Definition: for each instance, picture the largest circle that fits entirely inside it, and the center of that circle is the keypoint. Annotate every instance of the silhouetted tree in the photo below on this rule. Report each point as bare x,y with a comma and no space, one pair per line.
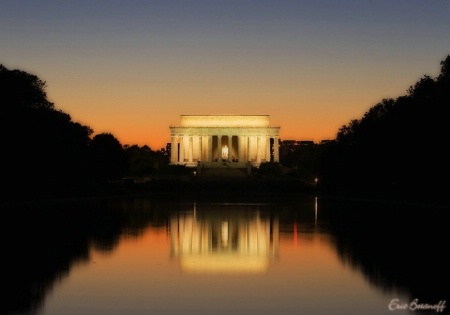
144,161
397,143
44,151
108,159
303,160
22,90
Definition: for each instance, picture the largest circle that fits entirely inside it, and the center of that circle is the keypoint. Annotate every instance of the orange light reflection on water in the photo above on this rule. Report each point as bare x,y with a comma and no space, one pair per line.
141,275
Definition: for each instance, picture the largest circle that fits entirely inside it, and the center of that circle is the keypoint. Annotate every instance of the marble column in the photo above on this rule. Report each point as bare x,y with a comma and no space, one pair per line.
276,148
230,148
258,149
219,148
253,146
191,149
174,149
209,149
199,148
181,140
203,152
249,148
240,148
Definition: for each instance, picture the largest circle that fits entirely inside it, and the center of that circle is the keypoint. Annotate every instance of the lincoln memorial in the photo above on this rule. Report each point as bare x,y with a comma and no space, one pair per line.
218,139
224,239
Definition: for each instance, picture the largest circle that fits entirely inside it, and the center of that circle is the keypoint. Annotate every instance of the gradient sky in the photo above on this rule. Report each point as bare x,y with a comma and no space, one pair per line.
132,67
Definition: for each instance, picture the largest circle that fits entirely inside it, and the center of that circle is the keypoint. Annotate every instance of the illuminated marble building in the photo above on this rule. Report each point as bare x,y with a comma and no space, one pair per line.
234,139
227,241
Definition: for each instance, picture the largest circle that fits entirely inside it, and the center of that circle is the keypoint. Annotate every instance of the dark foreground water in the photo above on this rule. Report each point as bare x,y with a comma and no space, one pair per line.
288,256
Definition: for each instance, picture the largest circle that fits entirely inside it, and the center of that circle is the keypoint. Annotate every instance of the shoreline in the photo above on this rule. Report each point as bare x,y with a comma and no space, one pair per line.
232,190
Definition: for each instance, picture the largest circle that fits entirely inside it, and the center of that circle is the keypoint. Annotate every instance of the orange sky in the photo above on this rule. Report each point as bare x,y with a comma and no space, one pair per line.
133,69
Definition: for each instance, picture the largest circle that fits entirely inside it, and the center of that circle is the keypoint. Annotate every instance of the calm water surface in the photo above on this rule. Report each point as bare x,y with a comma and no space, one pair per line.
305,256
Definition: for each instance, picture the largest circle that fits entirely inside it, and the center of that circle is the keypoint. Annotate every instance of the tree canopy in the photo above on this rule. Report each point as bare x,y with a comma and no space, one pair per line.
108,160
398,142
45,151
22,90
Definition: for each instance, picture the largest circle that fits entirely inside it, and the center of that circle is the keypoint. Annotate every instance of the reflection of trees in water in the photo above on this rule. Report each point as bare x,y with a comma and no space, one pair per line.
396,247
43,242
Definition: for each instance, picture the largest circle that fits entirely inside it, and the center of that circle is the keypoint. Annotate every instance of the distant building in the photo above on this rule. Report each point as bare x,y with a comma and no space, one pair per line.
235,139
289,146
306,142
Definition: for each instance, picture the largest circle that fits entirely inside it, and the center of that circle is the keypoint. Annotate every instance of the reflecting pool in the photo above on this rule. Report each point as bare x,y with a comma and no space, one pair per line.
302,256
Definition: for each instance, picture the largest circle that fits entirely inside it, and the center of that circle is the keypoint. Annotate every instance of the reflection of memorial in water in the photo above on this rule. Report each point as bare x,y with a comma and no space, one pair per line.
224,238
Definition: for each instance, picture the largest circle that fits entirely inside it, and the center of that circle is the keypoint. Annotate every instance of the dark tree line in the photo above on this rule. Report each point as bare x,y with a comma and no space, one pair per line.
399,145
45,154
303,160
143,161
43,149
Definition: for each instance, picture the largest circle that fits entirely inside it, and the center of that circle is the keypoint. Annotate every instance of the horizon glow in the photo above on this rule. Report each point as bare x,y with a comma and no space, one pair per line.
132,69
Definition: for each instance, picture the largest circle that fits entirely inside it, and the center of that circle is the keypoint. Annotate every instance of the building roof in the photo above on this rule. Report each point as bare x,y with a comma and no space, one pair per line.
225,121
